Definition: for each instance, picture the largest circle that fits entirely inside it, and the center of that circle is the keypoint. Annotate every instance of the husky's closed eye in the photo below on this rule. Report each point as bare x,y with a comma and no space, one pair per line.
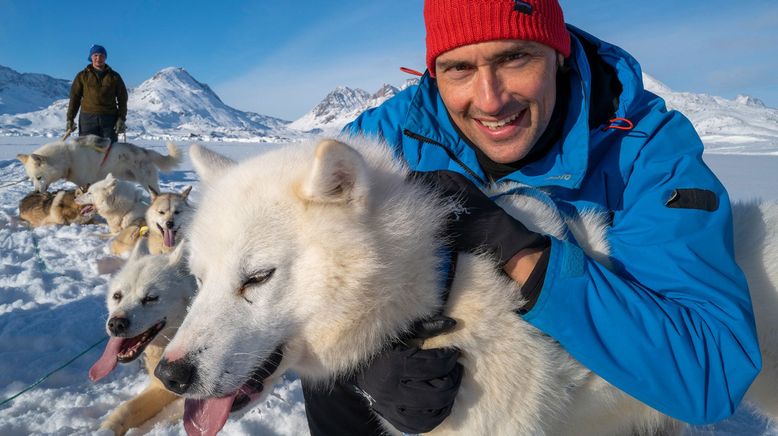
149,299
255,279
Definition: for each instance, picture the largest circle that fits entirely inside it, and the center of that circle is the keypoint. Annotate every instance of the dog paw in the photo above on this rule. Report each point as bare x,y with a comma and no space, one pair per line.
110,427
104,432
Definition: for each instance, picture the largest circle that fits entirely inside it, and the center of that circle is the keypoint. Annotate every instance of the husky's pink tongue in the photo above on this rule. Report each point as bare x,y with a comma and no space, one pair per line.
169,237
206,417
107,362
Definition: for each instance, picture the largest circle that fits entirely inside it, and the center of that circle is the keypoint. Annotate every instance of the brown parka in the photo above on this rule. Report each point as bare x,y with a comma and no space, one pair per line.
106,96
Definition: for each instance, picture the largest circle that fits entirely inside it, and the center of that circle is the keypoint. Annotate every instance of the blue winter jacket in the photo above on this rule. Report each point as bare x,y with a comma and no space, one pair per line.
672,324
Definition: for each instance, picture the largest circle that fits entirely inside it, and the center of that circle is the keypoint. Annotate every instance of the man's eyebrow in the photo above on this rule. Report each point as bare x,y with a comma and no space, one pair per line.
523,48
445,64
518,48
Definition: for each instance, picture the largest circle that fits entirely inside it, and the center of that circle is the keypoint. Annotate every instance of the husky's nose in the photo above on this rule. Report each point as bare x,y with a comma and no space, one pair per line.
169,224
177,376
118,326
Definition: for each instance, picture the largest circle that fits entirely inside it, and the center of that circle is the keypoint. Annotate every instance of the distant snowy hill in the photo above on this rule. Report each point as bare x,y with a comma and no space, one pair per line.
173,104
343,105
27,92
742,126
169,105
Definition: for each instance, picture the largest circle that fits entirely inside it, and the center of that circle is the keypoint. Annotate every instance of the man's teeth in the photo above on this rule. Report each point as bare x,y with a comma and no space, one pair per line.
499,123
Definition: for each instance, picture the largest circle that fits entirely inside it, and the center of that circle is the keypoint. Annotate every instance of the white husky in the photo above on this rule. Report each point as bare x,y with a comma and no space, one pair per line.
121,203
322,253
147,301
82,162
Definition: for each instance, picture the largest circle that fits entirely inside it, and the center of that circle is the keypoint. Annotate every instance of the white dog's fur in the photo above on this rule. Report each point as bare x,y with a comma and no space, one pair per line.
329,252
148,290
80,163
121,203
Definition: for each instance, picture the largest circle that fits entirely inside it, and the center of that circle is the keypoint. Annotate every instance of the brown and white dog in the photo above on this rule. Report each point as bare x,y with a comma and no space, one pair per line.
45,208
162,224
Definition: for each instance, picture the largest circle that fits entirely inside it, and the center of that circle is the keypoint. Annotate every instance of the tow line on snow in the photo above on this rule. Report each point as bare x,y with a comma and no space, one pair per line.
13,183
42,379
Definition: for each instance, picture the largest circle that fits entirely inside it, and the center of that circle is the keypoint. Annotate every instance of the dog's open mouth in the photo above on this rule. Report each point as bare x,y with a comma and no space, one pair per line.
123,350
205,417
168,236
87,209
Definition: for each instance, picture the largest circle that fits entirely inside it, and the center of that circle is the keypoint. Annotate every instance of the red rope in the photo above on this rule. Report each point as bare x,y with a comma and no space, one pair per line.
615,124
411,71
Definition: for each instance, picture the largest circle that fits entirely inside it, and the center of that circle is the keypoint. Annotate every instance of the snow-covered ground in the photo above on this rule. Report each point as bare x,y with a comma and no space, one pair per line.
52,308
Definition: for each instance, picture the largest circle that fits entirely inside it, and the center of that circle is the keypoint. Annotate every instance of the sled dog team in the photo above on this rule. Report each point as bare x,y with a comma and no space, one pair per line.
311,257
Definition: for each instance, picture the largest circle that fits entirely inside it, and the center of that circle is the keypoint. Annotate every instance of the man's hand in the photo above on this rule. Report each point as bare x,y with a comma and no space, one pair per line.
482,225
414,389
70,126
120,127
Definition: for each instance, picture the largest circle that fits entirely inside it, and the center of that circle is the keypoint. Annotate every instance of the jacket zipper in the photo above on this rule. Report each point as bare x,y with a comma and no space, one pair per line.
450,154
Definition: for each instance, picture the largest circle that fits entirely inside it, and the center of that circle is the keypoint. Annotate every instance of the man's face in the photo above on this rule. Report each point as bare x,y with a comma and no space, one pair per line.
500,94
98,60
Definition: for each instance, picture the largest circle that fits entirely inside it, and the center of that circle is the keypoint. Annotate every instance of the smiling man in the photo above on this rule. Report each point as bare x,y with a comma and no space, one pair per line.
512,94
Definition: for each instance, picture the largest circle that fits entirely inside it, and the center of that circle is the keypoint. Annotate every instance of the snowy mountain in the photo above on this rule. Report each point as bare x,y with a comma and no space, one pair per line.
173,104
743,125
26,92
343,105
169,105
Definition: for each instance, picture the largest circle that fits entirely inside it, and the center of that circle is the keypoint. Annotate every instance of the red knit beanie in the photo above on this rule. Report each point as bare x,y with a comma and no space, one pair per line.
454,23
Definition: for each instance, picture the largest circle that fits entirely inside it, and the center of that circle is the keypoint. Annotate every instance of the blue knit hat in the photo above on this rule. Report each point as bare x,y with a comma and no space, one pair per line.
97,49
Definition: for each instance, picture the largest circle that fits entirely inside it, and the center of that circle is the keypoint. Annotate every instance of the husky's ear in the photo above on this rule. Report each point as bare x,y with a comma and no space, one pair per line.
177,255
36,158
185,193
141,249
208,164
154,194
338,175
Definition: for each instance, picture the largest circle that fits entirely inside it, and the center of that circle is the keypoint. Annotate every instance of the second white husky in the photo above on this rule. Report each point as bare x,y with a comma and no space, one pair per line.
147,301
120,202
313,257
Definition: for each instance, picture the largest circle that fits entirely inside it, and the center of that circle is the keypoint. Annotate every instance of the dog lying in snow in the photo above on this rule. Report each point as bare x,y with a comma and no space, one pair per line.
312,258
45,208
82,163
120,202
162,223
147,301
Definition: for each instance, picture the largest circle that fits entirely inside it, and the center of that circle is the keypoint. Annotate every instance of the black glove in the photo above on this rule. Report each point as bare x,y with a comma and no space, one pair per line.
70,126
414,389
120,127
482,225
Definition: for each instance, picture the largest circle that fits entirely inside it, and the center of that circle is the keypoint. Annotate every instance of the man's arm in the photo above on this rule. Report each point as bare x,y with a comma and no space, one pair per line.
76,92
121,98
673,325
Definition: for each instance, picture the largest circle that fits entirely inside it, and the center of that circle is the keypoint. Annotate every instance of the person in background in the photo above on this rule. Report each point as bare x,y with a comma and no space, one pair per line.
99,92
513,94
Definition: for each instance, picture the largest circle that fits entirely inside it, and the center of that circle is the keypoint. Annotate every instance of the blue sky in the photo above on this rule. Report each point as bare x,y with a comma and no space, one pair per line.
281,57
